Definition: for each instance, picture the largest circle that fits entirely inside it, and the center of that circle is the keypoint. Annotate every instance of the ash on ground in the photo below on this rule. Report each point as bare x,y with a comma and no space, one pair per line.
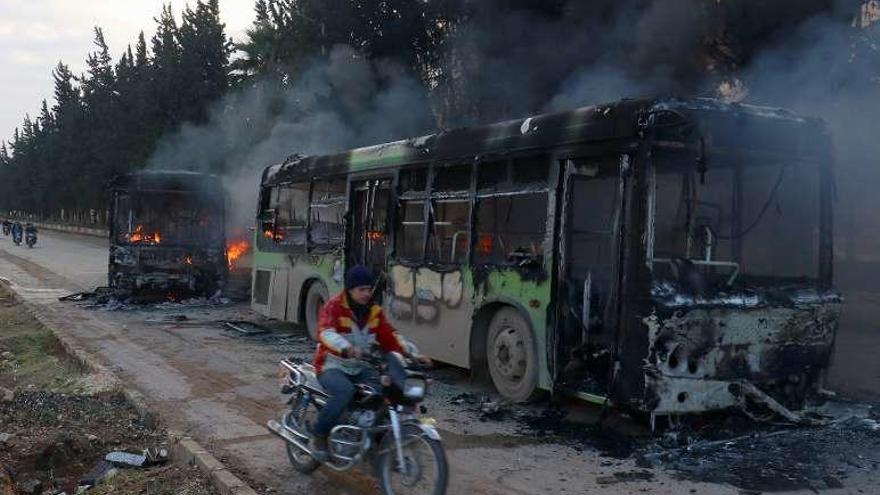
776,458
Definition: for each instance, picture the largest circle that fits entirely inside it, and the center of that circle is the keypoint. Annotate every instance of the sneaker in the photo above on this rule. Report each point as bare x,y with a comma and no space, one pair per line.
318,447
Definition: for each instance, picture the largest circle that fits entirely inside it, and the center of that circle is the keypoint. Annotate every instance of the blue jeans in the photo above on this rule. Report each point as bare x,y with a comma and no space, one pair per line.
340,388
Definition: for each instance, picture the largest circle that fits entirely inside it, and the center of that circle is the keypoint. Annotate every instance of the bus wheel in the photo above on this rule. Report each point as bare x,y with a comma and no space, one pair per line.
511,356
315,300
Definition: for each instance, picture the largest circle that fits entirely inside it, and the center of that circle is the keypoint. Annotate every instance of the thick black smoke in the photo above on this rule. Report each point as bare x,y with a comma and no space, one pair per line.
340,103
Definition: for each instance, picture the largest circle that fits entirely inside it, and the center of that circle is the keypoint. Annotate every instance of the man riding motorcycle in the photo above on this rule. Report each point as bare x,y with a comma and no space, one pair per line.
30,234
17,232
348,325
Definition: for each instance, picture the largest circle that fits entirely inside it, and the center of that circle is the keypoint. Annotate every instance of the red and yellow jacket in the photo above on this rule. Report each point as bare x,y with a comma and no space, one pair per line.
337,330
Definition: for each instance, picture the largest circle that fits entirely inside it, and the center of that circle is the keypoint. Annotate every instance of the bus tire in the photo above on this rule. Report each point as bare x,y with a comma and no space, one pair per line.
511,356
315,300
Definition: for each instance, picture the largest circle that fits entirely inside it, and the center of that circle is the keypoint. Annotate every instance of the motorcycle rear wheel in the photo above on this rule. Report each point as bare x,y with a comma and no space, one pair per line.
300,419
420,454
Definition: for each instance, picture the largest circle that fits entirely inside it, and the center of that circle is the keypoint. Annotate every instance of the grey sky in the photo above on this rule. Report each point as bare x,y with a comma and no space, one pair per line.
36,34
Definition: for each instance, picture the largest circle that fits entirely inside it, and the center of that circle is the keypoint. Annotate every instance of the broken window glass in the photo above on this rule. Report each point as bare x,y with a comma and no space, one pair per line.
413,180
292,214
266,217
455,178
411,229
168,218
514,174
449,235
780,223
327,230
740,219
449,206
510,228
511,211
492,174
530,170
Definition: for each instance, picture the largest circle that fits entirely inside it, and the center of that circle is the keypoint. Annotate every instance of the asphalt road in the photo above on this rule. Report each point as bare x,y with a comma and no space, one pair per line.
221,389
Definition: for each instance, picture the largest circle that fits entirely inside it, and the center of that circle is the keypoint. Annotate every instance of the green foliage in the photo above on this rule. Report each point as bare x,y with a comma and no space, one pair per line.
108,120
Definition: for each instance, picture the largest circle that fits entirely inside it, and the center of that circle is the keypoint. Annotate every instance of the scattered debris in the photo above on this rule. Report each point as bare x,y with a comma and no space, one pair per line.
30,486
82,296
493,410
97,474
609,441
811,458
464,398
125,459
246,327
625,476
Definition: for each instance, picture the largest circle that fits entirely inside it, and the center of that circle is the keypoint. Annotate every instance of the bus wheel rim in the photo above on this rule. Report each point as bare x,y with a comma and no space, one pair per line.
509,353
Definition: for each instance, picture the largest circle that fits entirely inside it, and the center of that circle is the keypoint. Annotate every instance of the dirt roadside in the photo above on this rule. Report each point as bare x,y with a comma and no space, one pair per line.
58,421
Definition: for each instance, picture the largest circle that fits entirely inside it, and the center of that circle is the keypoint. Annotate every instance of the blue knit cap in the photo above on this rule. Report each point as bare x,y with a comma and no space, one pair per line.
359,276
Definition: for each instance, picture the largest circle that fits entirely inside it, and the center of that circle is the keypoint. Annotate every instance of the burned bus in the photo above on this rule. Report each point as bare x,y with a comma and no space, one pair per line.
167,234
669,256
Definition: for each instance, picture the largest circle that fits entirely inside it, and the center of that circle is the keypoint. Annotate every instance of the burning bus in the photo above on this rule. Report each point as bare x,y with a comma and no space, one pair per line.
167,233
669,256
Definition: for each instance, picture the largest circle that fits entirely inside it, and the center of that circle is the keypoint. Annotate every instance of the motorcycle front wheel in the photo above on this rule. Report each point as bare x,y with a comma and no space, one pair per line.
426,470
300,418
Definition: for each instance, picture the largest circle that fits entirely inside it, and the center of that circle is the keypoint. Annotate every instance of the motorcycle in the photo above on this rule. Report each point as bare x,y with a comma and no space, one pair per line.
382,427
16,237
30,238
6,228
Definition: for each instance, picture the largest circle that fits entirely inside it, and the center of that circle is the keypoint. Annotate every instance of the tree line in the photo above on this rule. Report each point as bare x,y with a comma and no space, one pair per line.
475,61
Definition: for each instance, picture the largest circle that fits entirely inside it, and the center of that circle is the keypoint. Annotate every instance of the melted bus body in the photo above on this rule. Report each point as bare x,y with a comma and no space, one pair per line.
167,234
666,255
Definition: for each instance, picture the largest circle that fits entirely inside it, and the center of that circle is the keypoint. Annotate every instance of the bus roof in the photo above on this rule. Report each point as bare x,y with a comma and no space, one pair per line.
608,122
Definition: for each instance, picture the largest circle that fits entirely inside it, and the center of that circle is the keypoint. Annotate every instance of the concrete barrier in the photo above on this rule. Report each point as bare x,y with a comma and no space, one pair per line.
76,229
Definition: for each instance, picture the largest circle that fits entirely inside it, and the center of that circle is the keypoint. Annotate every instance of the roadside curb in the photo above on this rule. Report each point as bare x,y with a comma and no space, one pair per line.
184,448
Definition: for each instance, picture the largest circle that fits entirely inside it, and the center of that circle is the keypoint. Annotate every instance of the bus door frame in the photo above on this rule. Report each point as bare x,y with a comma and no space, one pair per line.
372,180
570,173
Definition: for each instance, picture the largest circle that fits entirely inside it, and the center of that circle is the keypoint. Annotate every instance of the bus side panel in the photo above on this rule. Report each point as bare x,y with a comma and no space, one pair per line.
327,269
265,268
436,309
433,309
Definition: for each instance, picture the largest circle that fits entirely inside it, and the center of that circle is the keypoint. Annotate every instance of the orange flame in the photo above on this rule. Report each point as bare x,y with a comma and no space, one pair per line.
138,236
234,251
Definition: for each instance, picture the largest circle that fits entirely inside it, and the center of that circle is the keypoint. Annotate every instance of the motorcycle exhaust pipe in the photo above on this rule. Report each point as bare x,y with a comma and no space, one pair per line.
285,433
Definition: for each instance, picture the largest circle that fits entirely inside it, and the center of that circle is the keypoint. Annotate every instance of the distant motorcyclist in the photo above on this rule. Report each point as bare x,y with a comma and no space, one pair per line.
30,234
348,325
17,231
7,226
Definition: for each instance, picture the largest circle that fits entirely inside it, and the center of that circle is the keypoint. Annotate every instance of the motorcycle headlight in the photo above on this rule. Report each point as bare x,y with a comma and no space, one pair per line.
415,387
